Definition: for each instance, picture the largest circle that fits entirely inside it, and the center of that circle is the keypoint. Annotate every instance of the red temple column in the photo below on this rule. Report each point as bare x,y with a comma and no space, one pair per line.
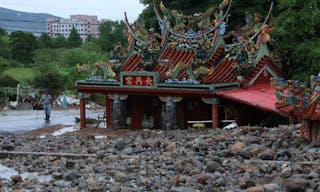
108,111
215,116
214,102
82,112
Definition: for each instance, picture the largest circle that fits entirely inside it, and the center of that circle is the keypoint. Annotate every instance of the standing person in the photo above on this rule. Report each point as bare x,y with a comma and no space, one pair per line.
46,101
64,101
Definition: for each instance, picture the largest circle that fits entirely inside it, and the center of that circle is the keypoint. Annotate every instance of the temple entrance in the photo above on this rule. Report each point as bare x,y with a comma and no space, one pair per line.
149,112
196,110
143,112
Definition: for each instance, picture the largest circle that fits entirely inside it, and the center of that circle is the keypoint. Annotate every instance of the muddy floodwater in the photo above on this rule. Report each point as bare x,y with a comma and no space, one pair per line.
27,120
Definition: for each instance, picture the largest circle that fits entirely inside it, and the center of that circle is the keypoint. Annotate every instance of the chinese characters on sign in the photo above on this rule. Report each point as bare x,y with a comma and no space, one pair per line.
138,80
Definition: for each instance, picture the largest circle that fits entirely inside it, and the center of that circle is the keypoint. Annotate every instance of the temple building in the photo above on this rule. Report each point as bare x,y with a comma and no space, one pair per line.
187,73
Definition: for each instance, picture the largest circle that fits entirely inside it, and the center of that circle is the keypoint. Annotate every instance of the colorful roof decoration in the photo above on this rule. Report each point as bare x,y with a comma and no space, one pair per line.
296,100
191,48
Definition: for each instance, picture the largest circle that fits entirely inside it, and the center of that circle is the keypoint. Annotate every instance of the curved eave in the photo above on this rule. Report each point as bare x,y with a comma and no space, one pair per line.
258,96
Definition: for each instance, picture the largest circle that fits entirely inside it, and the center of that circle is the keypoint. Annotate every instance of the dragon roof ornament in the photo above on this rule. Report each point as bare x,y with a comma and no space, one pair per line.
295,99
264,23
194,35
131,30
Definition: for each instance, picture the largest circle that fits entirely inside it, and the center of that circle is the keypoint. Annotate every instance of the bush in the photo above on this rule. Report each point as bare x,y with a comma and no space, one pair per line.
21,74
8,81
52,81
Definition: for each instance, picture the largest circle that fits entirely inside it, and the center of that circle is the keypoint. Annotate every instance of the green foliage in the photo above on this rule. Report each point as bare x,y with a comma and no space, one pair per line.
22,46
43,56
44,59
8,81
3,32
298,37
5,82
51,80
71,74
190,7
4,44
59,41
71,57
21,74
111,32
148,16
92,38
14,63
98,98
74,39
45,41
65,60
3,64
240,8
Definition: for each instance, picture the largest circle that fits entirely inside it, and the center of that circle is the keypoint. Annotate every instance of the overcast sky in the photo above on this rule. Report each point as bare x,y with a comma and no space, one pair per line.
104,9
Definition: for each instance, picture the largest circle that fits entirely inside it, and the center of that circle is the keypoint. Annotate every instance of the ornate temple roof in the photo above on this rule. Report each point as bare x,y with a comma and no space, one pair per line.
186,50
191,49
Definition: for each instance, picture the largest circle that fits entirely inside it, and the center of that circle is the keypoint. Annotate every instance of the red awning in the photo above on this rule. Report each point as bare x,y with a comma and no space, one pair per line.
260,96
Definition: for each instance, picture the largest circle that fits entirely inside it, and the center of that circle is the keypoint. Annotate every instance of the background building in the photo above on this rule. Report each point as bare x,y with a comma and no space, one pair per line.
84,24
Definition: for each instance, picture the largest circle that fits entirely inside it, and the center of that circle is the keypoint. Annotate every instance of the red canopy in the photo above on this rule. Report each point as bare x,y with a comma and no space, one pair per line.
260,96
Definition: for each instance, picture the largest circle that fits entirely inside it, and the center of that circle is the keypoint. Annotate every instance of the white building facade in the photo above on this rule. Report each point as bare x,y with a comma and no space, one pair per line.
84,24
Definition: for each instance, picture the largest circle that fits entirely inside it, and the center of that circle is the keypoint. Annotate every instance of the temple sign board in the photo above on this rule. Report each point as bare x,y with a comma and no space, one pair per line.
139,79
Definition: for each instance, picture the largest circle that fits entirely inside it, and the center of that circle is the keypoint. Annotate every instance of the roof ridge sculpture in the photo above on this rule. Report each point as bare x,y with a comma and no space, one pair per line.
222,17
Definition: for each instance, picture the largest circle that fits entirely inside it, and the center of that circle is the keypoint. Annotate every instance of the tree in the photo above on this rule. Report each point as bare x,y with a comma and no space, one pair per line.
51,80
298,36
190,7
45,59
59,41
45,41
111,32
92,38
3,64
74,39
8,81
22,46
4,44
3,32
